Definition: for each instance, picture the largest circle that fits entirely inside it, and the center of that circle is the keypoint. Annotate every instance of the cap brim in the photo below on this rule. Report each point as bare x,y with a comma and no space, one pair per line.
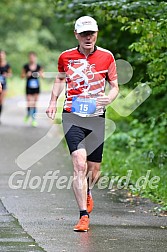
88,28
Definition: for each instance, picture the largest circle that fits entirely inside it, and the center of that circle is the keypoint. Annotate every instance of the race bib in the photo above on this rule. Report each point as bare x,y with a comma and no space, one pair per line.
2,79
33,83
83,105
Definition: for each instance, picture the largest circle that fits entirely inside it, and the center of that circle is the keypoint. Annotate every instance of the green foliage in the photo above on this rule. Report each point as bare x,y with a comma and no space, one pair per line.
152,45
31,25
139,147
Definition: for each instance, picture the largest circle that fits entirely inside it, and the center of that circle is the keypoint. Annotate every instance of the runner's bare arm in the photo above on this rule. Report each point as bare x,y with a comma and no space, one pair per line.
41,73
24,74
9,73
104,100
57,89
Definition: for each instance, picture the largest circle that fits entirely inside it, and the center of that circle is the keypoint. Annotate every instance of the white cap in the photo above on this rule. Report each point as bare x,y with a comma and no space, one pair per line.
86,23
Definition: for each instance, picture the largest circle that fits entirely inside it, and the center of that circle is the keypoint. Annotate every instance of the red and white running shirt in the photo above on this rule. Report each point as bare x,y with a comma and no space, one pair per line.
86,73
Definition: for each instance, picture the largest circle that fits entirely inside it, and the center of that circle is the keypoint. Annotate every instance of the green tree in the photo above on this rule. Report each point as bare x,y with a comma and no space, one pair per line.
31,25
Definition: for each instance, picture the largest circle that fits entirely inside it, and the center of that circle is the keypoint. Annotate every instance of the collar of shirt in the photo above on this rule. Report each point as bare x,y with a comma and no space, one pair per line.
95,48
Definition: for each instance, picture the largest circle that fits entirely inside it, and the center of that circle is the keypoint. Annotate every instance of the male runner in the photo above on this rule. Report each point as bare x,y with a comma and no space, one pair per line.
85,70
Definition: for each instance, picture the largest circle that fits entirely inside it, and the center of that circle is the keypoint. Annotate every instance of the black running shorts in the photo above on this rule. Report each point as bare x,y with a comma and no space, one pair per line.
85,132
4,86
32,91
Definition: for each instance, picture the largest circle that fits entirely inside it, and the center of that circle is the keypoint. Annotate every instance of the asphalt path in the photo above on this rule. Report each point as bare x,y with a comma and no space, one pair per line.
116,224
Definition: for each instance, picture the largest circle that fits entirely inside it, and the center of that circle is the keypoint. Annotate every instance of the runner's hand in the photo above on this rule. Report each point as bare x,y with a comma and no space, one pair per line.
103,100
51,111
4,75
29,74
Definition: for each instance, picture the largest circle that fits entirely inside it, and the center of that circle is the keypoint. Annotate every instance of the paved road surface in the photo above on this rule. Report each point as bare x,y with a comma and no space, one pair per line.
12,236
48,217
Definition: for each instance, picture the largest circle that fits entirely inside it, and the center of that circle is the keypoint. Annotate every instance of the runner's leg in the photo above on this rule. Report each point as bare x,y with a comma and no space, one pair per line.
93,173
28,98
35,104
34,98
74,135
1,103
80,182
94,146
2,97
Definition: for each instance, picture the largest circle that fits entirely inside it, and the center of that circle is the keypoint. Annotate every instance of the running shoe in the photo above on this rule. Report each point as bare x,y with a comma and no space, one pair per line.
34,123
26,119
90,203
83,224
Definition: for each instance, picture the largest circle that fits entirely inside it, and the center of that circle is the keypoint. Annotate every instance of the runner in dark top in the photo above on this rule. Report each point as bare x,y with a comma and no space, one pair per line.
5,71
32,71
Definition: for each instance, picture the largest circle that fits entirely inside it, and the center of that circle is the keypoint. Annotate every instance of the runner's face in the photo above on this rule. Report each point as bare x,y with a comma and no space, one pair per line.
2,55
32,58
87,40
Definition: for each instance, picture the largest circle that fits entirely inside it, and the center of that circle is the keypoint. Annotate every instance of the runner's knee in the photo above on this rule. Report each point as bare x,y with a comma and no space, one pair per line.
79,161
94,170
